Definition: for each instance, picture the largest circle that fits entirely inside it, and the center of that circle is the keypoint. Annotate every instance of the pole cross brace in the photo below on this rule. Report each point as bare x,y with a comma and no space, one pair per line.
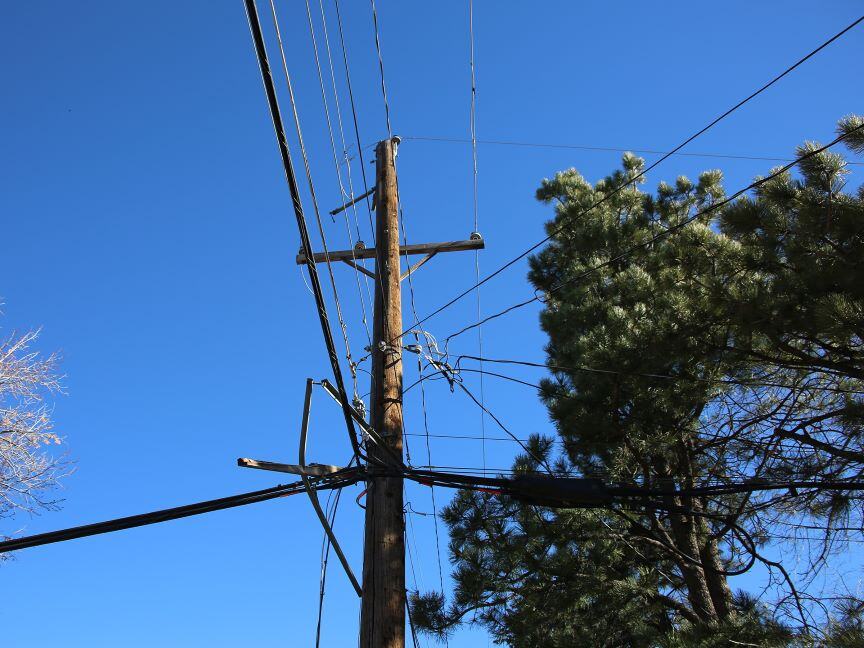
417,265
366,272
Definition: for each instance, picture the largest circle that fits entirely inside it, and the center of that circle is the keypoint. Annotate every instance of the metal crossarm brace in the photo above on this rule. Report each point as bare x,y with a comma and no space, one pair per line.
366,272
417,265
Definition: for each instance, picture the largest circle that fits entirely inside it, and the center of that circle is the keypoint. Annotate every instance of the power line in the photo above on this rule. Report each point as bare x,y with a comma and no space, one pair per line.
553,491
635,178
444,373
473,130
450,373
360,148
602,149
472,437
429,459
336,164
381,68
411,623
649,242
680,377
354,117
175,513
276,116
325,559
503,427
308,169
556,490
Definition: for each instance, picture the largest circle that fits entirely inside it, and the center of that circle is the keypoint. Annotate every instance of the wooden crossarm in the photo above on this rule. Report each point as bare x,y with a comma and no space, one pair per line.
419,248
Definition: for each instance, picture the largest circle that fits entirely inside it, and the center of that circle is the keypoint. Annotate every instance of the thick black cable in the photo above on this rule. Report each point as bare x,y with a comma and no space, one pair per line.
275,114
528,485
517,486
165,515
651,166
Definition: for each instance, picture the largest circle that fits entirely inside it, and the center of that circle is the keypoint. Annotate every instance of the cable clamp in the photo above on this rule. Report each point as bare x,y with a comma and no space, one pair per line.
383,347
360,406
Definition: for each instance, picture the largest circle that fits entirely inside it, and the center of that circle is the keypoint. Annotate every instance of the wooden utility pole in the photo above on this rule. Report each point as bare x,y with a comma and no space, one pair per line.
382,613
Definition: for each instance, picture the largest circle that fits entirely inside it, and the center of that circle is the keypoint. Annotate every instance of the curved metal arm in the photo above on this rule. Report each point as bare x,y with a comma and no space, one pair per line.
313,495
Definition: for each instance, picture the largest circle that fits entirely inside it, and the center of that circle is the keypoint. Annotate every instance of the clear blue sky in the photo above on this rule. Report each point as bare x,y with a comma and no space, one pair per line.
147,227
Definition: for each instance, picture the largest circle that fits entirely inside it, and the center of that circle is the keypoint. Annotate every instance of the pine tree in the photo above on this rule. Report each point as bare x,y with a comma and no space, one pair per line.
728,349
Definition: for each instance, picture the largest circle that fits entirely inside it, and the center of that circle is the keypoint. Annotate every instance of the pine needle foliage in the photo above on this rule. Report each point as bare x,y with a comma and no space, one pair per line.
734,350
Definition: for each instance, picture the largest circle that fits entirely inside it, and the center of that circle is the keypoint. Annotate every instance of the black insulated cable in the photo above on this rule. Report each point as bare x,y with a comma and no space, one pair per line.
275,114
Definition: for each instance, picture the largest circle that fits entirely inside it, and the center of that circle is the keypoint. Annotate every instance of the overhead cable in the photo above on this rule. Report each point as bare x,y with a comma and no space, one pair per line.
276,116
550,491
636,374
657,237
308,169
337,166
651,166
154,517
601,149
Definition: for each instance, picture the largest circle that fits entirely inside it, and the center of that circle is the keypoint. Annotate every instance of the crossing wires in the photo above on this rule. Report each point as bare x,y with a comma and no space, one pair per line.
673,229
311,184
651,166
306,244
345,195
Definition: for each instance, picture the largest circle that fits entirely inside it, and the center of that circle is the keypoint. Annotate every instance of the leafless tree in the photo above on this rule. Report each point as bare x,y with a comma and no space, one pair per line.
30,465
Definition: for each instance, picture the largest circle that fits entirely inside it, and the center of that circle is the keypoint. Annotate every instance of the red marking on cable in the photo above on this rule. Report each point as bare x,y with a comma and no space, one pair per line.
359,496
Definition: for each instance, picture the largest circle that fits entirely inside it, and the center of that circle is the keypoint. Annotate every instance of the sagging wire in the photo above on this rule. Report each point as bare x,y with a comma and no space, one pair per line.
345,196
653,165
436,358
297,204
305,156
